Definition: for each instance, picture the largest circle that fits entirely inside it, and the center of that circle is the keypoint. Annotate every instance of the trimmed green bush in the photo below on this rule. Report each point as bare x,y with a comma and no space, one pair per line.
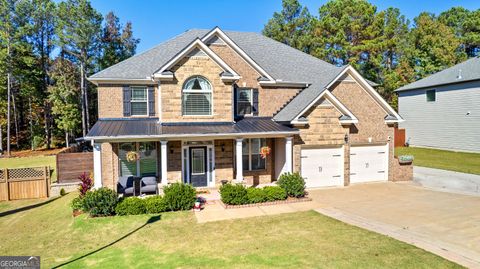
77,203
233,194
63,192
179,196
155,204
131,206
274,193
293,184
256,195
100,202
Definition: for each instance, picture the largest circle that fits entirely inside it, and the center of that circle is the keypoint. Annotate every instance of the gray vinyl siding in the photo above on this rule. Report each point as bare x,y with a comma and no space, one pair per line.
444,123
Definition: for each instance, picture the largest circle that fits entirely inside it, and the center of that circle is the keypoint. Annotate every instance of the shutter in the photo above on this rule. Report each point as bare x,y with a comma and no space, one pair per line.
235,89
151,102
127,95
255,102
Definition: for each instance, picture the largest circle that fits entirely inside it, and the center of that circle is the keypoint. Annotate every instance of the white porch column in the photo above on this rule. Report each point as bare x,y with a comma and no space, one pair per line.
97,165
163,157
288,154
238,158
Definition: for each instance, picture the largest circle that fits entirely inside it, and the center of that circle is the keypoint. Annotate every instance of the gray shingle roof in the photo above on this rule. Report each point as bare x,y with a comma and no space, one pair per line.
280,61
151,127
465,71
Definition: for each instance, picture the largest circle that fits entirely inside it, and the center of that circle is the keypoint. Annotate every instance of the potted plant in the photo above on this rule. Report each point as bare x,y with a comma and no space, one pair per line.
405,159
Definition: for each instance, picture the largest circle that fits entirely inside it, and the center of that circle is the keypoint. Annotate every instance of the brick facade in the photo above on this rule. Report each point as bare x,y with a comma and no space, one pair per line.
402,172
222,96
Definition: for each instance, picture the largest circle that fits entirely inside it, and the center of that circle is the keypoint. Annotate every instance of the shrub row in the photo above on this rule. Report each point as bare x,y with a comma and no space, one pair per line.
105,202
289,184
236,194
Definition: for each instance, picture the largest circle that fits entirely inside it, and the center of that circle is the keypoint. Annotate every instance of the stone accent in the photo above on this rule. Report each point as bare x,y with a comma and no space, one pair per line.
110,101
224,161
323,129
174,163
371,118
222,96
402,172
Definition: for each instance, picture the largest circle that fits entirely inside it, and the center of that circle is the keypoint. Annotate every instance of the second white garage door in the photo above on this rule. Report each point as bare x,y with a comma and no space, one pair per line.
368,163
322,167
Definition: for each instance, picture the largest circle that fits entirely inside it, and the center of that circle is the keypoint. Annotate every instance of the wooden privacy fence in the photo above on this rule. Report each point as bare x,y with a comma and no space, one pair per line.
71,165
399,137
24,183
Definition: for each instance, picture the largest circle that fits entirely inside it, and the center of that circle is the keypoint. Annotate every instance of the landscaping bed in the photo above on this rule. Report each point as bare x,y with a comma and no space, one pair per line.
290,189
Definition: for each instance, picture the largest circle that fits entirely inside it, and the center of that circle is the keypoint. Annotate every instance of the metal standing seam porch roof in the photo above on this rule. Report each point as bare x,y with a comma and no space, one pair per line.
151,128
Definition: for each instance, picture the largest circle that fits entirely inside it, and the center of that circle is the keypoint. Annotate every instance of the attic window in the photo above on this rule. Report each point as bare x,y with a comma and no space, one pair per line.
431,95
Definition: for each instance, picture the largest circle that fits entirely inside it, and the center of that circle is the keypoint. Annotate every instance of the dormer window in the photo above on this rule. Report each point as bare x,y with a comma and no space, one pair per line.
197,97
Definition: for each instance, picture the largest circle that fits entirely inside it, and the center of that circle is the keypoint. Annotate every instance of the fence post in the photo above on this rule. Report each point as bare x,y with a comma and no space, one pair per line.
47,181
7,184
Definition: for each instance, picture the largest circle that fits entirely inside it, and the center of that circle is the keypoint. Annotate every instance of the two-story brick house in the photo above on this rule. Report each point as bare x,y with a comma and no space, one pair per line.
200,107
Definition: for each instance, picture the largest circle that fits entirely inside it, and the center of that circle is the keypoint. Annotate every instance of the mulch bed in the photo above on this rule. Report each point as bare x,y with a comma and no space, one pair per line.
289,200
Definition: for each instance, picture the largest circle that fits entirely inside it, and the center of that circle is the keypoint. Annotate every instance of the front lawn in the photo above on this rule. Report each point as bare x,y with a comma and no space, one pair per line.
171,240
33,161
443,159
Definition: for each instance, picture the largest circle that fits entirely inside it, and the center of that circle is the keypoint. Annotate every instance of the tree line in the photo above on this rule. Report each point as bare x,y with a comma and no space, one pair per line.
383,46
47,50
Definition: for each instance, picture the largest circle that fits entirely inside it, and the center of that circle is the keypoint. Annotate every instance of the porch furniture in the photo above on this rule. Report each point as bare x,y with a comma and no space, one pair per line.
125,185
149,185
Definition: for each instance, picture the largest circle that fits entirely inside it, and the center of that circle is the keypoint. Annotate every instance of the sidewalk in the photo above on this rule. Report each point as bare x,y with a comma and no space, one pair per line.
214,211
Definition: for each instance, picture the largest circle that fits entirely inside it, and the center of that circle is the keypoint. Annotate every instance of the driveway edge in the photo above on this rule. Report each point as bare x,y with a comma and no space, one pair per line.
400,234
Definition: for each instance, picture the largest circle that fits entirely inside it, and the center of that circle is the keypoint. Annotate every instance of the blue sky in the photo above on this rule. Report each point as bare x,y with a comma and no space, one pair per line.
157,21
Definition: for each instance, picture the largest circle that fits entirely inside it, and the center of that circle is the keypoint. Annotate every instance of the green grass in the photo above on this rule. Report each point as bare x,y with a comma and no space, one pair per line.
443,159
296,240
20,162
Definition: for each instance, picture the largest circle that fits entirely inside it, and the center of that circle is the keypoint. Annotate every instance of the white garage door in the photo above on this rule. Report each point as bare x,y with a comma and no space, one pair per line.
368,163
322,167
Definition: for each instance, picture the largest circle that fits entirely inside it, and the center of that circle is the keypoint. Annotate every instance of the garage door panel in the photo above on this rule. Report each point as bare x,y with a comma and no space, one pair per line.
368,163
322,167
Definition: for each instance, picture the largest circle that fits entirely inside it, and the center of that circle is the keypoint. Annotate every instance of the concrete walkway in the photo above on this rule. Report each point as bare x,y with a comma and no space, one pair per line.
446,224
447,180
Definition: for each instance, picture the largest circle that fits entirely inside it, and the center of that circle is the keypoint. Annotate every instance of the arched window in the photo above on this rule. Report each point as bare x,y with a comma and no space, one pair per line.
197,97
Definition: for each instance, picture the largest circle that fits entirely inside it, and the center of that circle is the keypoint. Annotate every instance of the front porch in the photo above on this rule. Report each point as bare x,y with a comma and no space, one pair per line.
196,156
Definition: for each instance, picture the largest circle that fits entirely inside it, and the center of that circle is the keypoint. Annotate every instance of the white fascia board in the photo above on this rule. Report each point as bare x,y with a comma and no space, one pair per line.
237,49
337,104
348,121
373,92
139,81
227,78
196,44
162,77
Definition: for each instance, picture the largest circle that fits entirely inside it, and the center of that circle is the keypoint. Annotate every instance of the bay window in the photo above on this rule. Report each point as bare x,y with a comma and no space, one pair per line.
147,163
197,97
251,157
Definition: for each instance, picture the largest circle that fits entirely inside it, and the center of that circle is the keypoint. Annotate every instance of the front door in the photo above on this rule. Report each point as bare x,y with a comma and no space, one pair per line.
198,166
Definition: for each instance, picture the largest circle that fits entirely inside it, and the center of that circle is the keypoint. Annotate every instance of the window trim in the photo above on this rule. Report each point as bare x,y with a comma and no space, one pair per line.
238,98
137,163
133,88
248,140
202,91
434,95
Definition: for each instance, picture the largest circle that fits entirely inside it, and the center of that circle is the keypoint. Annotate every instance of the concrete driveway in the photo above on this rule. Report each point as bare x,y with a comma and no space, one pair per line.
446,224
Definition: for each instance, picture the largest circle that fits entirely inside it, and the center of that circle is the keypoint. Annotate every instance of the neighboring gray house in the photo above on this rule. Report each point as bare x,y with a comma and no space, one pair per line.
443,110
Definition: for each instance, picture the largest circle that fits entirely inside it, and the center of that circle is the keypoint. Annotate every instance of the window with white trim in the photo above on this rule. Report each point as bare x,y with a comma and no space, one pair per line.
251,157
197,97
139,101
244,102
147,163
